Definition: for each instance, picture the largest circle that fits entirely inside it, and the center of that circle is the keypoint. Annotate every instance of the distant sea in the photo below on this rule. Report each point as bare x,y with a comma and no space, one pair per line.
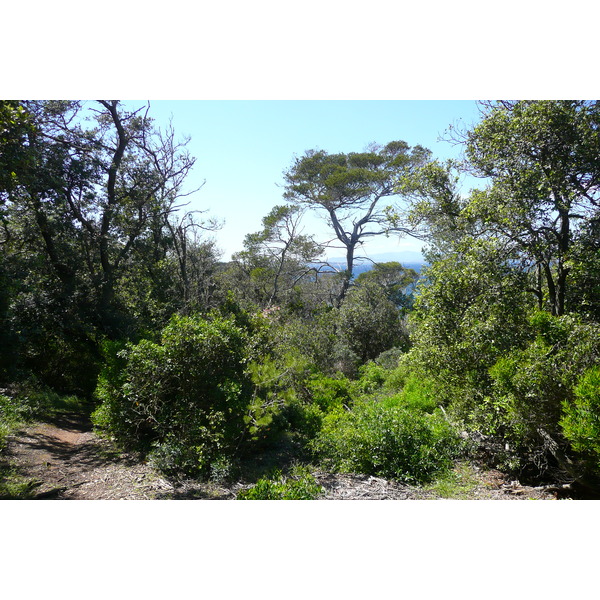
410,260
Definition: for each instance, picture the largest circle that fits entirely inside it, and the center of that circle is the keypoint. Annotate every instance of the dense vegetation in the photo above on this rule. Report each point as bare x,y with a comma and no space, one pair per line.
113,300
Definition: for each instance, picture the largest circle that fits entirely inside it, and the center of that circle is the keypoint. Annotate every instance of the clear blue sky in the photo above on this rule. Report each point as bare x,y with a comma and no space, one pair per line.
243,147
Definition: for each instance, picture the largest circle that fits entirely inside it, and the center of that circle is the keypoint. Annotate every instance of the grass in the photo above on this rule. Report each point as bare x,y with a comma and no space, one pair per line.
13,486
457,484
11,417
29,401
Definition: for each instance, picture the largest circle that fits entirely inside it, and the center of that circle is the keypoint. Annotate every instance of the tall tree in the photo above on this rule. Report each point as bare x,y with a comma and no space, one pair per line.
530,237
97,179
349,189
88,191
276,259
14,127
542,158
196,260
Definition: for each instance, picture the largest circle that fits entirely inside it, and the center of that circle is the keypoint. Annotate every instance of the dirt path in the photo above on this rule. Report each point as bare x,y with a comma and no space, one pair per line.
66,460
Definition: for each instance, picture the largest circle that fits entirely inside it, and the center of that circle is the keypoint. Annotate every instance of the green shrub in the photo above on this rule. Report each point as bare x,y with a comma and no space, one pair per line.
299,485
280,399
329,393
312,337
303,418
371,377
418,393
173,456
389,359
316,396
31,400
389,441
369,322
530,386
581,417
184,398
10,417
523,400
395,378
527,393
289,396
110,414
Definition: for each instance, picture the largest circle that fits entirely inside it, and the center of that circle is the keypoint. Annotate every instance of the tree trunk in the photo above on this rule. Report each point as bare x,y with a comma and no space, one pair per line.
563,271
347,274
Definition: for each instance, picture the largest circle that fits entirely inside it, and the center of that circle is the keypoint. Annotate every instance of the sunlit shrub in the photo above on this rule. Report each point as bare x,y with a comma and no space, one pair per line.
185,397
389,441
417,393
581,417
371,377
329,393
532,396
298,485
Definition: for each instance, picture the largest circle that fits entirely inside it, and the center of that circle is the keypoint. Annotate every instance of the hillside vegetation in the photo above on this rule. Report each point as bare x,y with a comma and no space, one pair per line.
275,367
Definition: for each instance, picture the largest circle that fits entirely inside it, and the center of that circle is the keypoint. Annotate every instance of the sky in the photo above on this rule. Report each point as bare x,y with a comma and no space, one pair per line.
242,149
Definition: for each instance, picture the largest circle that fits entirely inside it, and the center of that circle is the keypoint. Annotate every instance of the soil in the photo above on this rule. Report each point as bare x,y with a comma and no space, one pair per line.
66,460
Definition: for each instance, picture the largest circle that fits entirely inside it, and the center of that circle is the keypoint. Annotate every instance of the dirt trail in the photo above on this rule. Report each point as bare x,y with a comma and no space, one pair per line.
66,460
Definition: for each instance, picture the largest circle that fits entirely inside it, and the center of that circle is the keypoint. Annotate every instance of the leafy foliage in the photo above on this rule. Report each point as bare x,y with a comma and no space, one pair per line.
537,380
186,396
370,323
471,309
200,365
349,189
388,440
581,416
89,249
275,261
396,281
299,485
540,156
